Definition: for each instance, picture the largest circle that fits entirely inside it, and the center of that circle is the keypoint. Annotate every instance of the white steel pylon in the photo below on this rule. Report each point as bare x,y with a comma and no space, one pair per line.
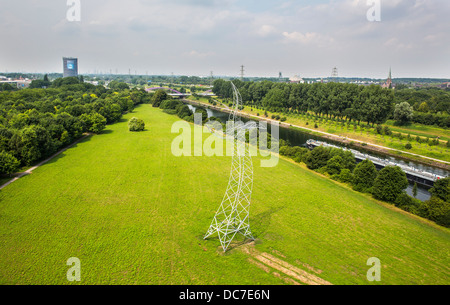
232,217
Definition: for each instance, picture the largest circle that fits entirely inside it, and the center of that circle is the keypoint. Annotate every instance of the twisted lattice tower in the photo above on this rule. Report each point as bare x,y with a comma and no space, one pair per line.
232,217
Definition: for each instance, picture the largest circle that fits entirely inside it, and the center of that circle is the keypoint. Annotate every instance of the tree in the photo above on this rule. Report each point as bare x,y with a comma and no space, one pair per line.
8,163
403,113
441,189
115,85
364,176
424,107
390,183
136,124
415,190
96,122
158,97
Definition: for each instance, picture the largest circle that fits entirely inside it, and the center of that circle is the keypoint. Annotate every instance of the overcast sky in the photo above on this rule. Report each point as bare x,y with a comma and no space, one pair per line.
194,37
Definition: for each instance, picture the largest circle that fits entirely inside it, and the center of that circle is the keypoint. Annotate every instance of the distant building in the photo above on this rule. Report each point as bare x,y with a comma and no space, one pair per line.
19,83
297,80
70,67
388,83
445,85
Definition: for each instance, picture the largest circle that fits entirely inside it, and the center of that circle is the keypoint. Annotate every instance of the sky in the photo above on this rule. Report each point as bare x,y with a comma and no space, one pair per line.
194,37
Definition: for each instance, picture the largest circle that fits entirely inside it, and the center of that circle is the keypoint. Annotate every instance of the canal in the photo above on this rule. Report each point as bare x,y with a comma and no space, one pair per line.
297,137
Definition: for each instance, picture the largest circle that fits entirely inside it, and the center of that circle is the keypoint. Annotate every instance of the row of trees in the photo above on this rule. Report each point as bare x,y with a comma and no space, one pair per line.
388,184
343,101
348,102
35,123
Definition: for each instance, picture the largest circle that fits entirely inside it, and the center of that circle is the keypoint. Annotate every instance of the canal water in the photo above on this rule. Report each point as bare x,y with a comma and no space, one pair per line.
297,137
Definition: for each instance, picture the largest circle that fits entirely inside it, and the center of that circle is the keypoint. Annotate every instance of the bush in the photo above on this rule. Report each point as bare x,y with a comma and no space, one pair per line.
345,176
136,124
169,104
334,165
436,210
408,146
379,129
390,183
408,203
317,158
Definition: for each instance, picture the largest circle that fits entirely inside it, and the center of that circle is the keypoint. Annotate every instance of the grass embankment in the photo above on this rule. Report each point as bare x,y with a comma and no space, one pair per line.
135,214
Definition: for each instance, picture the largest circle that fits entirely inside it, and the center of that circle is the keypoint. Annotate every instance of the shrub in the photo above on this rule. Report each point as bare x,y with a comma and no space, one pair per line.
436,210
408,146
169,104
136,124
334,165
408,203
379,129
345,176
317,158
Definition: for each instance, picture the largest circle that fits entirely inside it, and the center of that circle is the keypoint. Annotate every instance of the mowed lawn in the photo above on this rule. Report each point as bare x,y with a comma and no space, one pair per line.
135,214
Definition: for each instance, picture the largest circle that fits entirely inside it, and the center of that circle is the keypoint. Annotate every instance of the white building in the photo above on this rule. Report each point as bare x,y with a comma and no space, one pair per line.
297,80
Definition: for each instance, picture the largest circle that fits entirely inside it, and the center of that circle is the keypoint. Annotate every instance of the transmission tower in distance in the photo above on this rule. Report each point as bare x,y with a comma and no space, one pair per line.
232,217
242,73
334,73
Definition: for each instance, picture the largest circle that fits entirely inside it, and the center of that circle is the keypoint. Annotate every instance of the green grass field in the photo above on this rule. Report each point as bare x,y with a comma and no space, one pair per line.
135,214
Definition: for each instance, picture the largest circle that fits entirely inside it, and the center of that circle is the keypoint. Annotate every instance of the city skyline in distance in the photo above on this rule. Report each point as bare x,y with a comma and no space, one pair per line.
195,37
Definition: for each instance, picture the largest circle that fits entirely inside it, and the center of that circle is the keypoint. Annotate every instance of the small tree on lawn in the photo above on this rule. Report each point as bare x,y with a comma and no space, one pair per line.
136,124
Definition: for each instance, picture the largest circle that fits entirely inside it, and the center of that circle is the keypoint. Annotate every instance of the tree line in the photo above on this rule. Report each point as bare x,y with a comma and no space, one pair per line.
36,123
343,101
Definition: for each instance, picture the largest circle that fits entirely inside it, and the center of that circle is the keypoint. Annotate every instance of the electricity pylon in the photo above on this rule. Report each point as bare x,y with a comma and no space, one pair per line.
232,217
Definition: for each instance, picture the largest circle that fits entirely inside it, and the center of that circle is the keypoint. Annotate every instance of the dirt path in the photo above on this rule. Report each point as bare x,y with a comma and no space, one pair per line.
281,269
30,170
